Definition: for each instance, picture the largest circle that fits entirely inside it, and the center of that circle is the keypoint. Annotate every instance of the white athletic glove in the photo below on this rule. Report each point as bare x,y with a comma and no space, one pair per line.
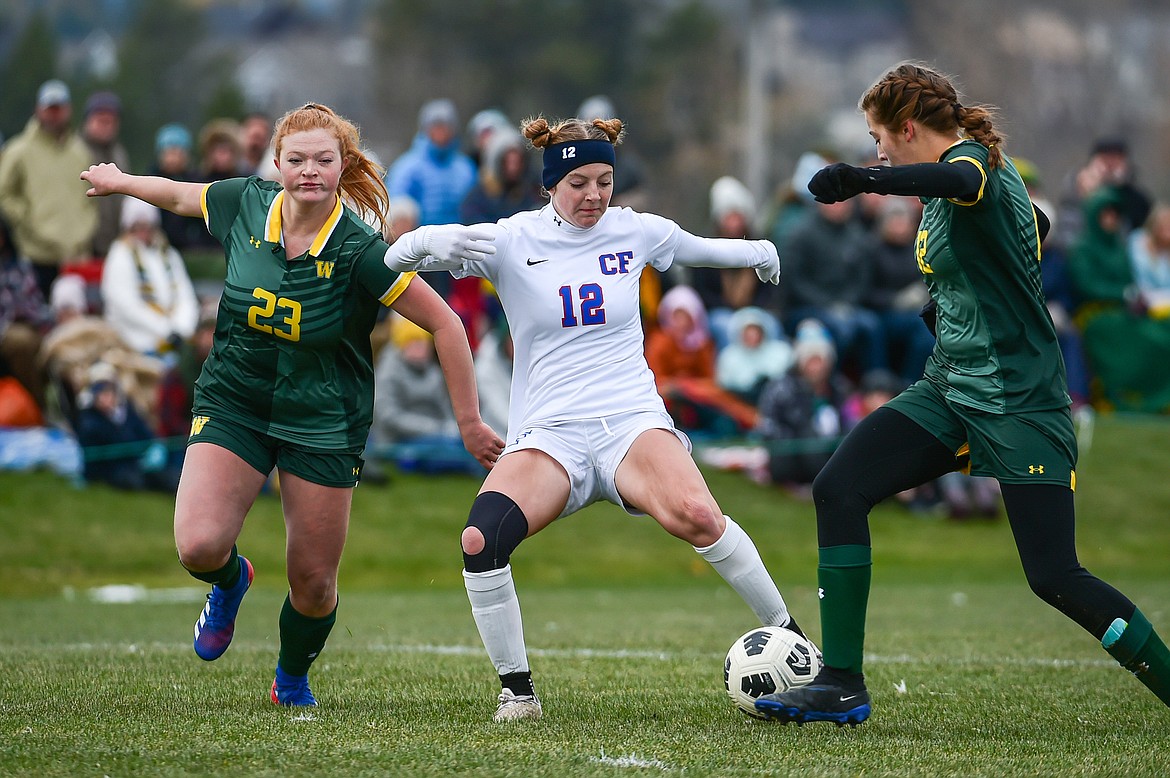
450,245
767,264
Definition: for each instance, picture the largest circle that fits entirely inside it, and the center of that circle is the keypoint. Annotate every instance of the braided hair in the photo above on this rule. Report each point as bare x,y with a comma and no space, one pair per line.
915,91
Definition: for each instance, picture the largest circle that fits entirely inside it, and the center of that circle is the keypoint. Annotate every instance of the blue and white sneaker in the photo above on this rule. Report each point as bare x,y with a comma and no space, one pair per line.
292,690
217,622
825,698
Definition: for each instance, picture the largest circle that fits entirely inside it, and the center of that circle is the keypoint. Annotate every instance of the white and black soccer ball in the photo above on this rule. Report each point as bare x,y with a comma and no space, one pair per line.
767,660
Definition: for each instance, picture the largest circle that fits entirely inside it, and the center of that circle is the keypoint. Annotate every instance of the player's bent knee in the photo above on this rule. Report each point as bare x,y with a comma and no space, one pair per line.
472,541
696,521
1048,586
500,525
313,595
202,556
827,488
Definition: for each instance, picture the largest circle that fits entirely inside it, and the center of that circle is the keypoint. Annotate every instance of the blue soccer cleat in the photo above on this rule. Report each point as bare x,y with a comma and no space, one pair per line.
823,699
217,622
292,690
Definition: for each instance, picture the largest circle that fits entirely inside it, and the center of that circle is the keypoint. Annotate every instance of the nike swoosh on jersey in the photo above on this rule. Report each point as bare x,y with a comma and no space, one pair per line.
532,261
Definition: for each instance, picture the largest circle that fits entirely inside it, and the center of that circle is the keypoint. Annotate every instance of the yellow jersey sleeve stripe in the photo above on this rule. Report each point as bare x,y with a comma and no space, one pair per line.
1036,229
982,183
203,206
398,287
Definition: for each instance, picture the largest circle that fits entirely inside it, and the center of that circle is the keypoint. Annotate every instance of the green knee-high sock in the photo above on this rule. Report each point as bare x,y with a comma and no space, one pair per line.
1137,647
302,638
843,575
225,577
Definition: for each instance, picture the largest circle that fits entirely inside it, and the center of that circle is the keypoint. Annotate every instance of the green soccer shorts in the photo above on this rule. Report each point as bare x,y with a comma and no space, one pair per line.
338,468
1018,448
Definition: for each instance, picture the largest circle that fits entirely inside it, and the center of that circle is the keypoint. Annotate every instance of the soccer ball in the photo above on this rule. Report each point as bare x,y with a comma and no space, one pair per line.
767,660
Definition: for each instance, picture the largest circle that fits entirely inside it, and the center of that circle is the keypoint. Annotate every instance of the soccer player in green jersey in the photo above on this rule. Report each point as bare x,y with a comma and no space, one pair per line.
993,396
289,380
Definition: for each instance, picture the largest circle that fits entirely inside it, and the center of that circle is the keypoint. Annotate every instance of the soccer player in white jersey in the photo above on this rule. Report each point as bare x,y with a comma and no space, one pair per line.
585,421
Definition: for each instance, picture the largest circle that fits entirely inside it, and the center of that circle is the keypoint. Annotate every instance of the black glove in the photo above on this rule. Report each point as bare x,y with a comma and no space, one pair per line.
838,182
929,315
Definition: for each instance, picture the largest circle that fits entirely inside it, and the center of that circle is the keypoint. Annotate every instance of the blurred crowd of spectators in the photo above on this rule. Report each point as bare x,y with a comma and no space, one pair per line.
102,330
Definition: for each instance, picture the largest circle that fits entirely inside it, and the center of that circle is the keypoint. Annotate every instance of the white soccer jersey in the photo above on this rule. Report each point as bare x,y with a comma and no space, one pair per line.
572,297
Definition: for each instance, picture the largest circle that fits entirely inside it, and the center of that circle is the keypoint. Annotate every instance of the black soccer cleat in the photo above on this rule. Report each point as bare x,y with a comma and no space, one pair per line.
826,698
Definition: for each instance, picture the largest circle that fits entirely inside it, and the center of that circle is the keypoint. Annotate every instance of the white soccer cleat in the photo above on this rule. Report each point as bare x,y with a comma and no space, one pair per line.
514,707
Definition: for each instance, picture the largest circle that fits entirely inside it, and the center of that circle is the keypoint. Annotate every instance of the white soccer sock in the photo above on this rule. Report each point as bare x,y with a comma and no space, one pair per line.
734,556
496,611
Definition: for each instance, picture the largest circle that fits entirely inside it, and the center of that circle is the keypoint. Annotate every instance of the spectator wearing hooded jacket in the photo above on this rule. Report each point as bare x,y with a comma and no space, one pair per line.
800,413
118,446
410,397
480,129
506,182
681,355
434,171
1128,351
757,352
414,423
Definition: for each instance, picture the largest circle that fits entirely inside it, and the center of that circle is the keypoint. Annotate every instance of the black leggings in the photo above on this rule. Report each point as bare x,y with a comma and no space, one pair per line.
888,453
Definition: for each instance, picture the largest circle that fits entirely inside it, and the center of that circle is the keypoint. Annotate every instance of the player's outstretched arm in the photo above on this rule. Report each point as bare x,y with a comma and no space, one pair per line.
423,306
959,179
440,247
760,255
179,197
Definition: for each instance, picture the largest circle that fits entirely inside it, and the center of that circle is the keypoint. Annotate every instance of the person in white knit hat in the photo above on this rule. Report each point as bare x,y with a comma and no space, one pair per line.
147,294
727,290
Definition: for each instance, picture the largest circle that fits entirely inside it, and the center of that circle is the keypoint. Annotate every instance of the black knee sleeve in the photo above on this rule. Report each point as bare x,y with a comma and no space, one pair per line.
503,526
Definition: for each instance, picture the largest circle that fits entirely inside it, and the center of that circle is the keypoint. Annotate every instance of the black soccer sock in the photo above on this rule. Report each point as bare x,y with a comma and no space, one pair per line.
519,683
225,577
837,676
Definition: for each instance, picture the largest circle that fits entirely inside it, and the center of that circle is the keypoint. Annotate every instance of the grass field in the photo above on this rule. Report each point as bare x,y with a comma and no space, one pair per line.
971,675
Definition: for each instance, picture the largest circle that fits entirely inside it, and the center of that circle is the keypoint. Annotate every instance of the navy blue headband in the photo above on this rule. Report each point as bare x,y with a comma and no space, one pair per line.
562,158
